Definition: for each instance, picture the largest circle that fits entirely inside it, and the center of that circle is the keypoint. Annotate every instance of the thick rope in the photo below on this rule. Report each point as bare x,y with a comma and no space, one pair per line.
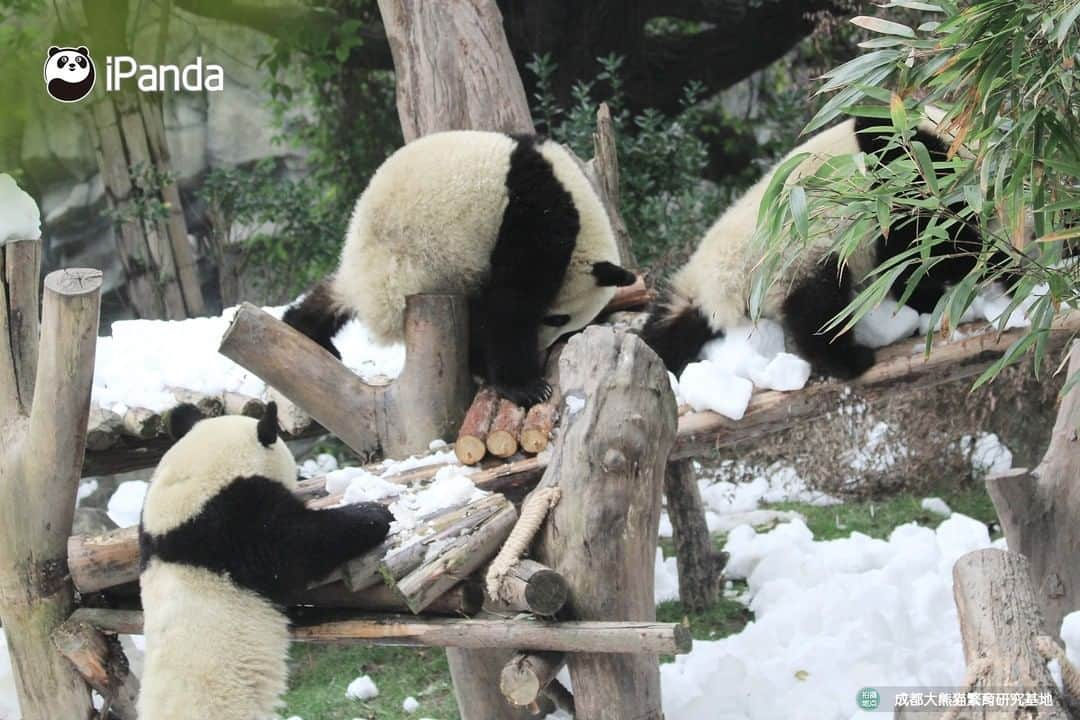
1070,675
533,511
977,670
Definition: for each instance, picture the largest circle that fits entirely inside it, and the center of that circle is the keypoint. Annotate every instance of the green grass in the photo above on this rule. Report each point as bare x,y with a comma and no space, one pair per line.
320,675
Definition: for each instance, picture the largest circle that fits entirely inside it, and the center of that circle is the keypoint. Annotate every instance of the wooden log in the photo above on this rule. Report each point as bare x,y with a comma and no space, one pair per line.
239,404
532,587
41,451
102,663
699,576
526,675
22,263
103,429
454,68
631,297
604,171
97,562
999,623
471,444
1039,511
502,439
142,423
209,405
609,465
594,637
537,428
465,598
458,559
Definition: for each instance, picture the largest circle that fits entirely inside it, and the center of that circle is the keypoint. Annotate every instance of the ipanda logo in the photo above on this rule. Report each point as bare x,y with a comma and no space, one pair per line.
70,74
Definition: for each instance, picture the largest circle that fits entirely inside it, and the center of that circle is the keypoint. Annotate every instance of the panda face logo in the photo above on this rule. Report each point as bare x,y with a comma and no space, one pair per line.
69,73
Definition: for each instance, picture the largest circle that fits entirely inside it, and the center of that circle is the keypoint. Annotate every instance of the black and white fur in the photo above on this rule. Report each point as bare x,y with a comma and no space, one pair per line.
711,292
509,221
69,73
225,545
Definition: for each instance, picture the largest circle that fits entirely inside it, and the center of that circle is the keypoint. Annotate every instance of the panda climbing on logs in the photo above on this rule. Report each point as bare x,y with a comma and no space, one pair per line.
224,546
711,292
511,222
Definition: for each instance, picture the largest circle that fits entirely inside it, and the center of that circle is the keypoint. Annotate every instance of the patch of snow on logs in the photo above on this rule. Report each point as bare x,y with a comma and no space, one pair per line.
20,218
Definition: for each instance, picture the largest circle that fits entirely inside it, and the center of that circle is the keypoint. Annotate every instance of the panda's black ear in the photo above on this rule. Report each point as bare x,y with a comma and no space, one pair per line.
267,427
609,274
53,50
82,50
181,419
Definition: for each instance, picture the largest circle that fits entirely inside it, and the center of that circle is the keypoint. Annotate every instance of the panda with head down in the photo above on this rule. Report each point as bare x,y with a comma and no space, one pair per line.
225,545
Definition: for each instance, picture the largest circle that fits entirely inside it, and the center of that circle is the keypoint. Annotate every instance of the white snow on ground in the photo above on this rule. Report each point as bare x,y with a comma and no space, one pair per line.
878,453
319,465
125,505
708,386
410,705
20,218
362,688
989,456
142,359
830,617
936,506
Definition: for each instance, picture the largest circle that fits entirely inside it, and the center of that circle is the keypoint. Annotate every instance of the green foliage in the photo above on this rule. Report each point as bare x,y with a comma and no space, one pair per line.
291,227
664,200
1003,72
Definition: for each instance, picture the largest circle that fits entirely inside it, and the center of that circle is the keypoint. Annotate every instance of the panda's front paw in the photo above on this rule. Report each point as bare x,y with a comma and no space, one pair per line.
372,522
531,393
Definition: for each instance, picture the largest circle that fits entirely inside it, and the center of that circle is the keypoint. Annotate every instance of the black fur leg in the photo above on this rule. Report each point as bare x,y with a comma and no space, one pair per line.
318,317
611,275
677,337
528,265
322,540
811,305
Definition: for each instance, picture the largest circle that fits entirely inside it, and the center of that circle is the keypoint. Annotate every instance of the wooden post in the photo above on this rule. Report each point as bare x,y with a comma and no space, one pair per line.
603,170
453,67
1040,511
699,577
609,463
426,402
43,413
102,663
999,622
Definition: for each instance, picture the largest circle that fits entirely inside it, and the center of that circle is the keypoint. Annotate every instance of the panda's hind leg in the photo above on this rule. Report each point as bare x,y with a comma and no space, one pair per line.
528,267
812,303
319,316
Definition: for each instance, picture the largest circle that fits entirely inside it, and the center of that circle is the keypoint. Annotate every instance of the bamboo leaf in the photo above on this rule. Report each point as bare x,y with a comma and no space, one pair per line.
884,27
799,212
926,166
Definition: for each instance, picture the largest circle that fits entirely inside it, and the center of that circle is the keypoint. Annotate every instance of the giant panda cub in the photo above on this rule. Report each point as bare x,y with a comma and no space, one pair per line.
225,543
509,221
711,292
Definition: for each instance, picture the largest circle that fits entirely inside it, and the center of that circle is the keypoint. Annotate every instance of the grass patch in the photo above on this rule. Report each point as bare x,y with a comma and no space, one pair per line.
878,518
320,674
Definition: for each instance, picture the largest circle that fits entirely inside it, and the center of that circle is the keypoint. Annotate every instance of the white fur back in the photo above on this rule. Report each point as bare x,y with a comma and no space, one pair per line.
717,278
430,217
212,649
213,454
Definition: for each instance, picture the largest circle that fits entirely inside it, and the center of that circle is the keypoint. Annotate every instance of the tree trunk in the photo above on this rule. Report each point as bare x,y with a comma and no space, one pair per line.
41,452
999,621
697,562
453,68
601,536
1040,511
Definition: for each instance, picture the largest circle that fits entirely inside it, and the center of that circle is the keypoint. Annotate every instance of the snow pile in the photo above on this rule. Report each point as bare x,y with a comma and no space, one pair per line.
878,453
707,386
20,218
319,465
831,617
362,688
989,456
126,503
143,359
936,506
886,323
410,705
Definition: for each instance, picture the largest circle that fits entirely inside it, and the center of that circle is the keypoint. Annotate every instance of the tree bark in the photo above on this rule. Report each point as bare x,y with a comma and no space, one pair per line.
601,536
102,663
453,68
41,452
999,621
699,577
1040,511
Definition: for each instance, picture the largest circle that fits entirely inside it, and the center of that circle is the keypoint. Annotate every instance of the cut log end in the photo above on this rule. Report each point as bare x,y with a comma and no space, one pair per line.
471,445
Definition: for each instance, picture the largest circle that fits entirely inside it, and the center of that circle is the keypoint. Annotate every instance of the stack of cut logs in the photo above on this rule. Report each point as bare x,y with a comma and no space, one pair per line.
496,426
